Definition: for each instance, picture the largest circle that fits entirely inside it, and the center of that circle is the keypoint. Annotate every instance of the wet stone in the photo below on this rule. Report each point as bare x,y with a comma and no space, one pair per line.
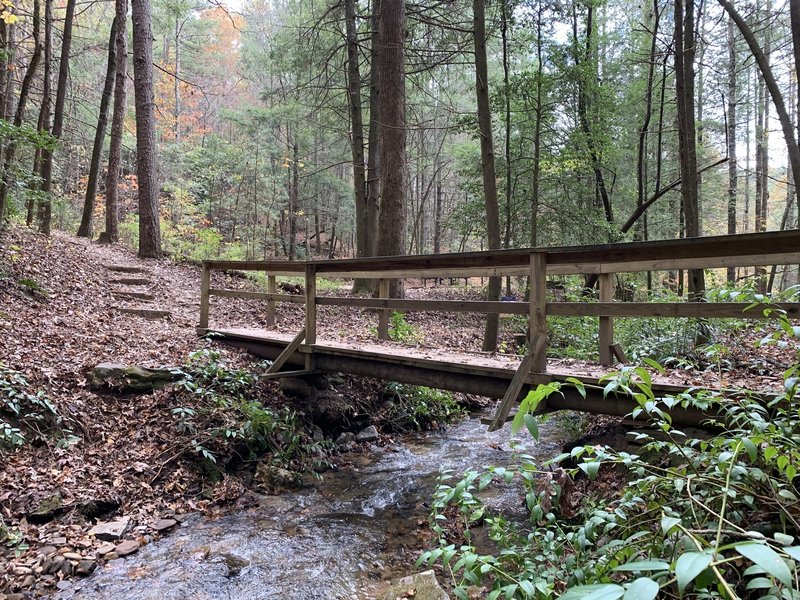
72,556
106,548
345,438
127,547
370,434
54,565
111,530
58,541
86,567
47,550
164,524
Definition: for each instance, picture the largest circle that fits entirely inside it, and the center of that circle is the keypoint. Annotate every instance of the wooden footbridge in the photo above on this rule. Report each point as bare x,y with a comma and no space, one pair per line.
489,375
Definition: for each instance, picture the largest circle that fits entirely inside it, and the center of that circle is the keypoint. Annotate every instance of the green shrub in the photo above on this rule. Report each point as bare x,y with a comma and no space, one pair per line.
219,409
24,414
715,517
417,408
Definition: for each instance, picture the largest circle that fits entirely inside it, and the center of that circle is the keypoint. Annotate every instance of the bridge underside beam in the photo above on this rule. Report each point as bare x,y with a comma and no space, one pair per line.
492,383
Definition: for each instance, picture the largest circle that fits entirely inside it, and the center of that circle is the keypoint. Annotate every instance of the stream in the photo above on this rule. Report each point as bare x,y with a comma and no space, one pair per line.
342,537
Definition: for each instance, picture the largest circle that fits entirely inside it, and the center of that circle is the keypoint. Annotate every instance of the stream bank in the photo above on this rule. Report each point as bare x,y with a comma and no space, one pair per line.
345,536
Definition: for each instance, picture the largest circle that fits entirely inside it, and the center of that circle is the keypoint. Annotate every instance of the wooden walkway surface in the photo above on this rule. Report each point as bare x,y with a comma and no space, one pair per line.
472,373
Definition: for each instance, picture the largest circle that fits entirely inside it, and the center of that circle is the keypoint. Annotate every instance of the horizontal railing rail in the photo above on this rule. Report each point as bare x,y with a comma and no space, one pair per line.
761,249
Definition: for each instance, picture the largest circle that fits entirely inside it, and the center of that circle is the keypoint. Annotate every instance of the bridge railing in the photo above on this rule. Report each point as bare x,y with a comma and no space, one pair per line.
604,261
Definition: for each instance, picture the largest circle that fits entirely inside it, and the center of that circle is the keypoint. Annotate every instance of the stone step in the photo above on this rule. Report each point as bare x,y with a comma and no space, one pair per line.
130,281
146,313
133,295
125,269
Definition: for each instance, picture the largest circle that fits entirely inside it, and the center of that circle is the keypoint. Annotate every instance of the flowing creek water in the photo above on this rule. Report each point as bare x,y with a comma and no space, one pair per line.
343,537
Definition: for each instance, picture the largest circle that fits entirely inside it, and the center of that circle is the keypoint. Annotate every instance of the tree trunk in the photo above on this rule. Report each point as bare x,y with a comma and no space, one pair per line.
373,139
111,234
392,151
772,85
487,164
731,139
146,165
684,92
357,140
24,92
584,107
537,131
58,119
86,228
794,15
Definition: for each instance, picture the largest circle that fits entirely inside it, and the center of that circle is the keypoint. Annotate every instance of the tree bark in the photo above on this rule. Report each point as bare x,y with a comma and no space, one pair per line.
146,164
373,139
684,92
86,228
58,119
357,140
584,102
392,150
111,234
487,164
731,140
19,114
537,131
769,79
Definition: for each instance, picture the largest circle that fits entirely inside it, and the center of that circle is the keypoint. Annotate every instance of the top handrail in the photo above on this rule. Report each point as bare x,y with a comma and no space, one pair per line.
750,249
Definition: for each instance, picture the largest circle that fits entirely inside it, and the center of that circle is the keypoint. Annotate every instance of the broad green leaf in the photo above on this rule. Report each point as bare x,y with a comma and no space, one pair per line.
653,364
597,591
782,538
689,566
644,565
609,591
760,583
766,558
794,552
752,452
516,424
667,523
642,589
590,468
579,385
532,425
527,587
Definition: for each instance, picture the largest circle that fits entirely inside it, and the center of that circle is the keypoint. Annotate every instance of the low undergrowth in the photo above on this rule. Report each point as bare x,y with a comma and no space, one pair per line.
25,414
715,517
418,408
221,412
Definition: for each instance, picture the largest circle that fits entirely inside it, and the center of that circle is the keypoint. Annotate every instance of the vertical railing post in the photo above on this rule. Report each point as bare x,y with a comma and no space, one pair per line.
606,323
538,312
205,285
271,289
383,316
311,313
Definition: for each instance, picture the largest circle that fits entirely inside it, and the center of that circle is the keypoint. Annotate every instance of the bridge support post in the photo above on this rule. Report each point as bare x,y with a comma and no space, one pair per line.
311,313
205,285
383,315
537,331
271,288
606,335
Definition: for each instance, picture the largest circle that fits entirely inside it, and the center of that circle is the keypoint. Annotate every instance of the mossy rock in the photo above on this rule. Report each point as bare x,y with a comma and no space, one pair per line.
420,586
130,379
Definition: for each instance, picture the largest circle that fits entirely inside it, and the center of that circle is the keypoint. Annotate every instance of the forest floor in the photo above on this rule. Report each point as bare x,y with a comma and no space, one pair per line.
60,315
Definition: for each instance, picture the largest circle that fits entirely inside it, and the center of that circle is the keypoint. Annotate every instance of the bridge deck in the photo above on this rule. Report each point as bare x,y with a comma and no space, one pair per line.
480,374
